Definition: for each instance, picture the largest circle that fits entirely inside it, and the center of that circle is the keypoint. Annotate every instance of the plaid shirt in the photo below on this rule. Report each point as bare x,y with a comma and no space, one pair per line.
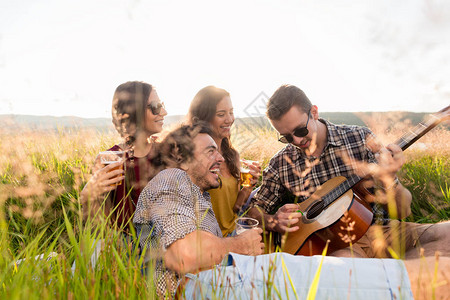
170,207
290,170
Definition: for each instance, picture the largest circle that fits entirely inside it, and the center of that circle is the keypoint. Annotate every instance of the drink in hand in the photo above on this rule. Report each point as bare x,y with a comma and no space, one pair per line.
246,177
111,157
245,223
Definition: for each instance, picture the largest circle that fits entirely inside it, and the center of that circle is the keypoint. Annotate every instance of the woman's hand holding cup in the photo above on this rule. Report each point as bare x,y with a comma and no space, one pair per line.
250,172
110,171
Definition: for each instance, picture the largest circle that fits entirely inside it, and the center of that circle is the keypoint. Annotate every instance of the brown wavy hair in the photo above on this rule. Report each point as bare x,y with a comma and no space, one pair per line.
178,146
203,108
129,108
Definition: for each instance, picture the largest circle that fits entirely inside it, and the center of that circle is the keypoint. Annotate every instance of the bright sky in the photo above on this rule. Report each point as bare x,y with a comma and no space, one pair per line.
60,57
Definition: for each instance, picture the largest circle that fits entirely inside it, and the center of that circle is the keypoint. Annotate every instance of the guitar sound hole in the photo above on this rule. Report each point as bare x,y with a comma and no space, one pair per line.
315,210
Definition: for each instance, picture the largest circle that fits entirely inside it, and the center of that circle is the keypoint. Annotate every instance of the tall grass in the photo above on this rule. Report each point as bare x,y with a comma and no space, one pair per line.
42,174
68,273
427,177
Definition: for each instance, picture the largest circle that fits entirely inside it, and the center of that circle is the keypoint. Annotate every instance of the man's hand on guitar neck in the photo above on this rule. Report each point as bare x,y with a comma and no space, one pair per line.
390,161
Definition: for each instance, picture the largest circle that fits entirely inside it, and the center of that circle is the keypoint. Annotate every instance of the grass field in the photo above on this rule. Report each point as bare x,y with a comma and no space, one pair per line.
42,174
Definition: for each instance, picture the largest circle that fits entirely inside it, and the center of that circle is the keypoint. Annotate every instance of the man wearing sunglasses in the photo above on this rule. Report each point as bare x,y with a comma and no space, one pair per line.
318,151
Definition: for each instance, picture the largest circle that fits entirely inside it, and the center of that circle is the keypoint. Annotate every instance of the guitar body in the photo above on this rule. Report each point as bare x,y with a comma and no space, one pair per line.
331,223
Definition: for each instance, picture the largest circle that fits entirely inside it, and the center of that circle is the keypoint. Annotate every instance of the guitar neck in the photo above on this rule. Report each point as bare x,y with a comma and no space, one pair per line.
417,132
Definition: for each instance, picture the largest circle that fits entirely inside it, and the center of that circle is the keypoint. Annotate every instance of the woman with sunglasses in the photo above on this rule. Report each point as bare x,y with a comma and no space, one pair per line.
137,114
213,105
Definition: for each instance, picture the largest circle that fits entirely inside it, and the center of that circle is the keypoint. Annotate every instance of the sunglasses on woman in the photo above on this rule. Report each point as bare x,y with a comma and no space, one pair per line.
298,132
156,107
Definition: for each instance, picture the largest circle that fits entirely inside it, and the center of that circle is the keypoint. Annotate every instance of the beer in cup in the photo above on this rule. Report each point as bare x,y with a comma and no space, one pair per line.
110,157
245,223
246,177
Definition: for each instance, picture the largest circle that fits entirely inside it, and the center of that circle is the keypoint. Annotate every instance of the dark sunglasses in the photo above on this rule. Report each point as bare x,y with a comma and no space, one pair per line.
156,107
298,132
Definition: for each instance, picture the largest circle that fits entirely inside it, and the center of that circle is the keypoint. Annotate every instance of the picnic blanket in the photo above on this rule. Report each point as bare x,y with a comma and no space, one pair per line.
285,276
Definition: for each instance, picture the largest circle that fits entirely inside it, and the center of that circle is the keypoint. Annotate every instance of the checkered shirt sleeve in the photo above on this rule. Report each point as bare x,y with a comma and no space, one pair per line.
271,190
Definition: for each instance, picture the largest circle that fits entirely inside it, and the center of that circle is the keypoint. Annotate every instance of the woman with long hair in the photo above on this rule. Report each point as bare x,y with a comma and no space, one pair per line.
137,114
213,105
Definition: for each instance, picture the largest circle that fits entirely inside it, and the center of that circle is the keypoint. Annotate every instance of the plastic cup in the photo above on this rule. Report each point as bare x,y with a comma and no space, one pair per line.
111,157
245,223
246,177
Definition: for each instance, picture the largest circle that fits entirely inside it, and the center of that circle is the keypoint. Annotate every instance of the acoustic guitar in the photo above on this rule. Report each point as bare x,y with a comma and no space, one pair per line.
338,211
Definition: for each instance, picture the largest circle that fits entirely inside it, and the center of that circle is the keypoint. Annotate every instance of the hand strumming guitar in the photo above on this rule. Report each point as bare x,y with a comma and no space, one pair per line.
284,218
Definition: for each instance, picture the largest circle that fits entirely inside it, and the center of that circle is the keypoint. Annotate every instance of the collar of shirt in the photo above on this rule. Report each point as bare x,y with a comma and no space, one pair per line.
333,135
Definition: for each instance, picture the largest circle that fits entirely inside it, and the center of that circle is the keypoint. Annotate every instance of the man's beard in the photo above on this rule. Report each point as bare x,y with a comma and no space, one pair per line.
204,184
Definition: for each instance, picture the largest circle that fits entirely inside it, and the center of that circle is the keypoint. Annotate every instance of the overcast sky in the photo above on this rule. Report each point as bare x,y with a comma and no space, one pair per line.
61,57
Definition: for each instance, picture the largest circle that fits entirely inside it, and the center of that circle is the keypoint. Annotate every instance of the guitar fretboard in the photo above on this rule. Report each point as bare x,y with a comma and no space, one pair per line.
417,132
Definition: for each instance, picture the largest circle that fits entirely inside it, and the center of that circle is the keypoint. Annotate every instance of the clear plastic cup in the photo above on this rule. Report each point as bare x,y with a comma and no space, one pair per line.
110,157
246,177
245,223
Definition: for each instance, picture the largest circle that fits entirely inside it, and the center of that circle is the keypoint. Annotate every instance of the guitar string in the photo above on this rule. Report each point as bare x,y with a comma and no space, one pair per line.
418,131
335,193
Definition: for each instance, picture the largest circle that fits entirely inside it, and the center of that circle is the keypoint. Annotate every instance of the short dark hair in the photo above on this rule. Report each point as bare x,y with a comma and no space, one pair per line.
284,98
178,146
